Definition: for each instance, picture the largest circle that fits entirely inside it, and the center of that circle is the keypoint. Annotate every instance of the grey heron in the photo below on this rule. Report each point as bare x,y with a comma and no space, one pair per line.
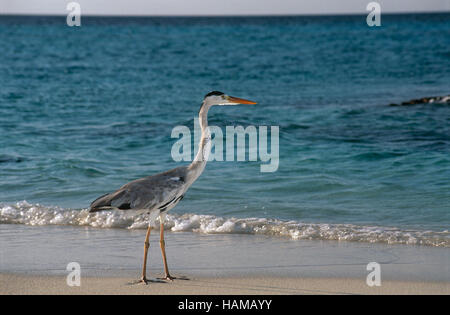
157,194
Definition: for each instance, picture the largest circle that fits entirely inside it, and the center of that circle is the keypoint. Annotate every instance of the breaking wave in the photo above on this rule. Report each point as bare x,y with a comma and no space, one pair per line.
35,214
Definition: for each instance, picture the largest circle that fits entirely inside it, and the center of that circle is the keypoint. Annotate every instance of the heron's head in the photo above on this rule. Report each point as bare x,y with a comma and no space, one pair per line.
219,98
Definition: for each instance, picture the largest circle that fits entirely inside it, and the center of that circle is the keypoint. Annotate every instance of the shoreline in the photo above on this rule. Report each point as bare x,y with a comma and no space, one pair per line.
39,215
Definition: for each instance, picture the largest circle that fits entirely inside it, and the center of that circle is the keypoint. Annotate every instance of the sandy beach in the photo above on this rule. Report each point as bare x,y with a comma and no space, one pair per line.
24,284
34,261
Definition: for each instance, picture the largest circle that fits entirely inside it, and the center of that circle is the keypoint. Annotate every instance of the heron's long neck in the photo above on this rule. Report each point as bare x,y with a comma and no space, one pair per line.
204,148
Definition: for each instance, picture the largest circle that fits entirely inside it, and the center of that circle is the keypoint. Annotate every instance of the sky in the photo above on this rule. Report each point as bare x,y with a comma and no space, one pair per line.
218,7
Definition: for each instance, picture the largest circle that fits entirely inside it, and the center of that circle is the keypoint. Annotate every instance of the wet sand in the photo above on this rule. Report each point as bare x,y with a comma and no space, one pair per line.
34,260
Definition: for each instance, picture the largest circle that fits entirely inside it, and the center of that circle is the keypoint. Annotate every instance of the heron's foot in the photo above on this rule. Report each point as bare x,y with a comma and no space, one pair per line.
143,280
140,281
146,281
168,277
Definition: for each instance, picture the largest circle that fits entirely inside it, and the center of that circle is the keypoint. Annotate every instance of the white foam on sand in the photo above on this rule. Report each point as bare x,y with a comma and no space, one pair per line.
38,215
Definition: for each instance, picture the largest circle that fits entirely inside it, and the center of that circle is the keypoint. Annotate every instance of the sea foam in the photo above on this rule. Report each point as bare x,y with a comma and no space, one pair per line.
35,214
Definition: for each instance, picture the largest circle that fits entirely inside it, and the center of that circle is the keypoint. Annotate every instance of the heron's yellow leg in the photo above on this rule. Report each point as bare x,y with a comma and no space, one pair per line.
146,246
163,251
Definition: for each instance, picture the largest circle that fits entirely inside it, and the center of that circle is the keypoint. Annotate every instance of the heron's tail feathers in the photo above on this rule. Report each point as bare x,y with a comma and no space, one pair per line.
101,203
118,200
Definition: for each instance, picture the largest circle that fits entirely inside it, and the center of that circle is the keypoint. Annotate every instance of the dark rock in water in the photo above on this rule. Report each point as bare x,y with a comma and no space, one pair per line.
426,100
11,159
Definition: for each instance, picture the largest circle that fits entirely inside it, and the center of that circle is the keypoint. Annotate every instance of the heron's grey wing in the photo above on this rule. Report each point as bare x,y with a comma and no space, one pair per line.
153,192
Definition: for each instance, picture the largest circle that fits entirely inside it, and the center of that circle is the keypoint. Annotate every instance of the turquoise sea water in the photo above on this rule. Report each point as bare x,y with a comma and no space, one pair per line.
85,110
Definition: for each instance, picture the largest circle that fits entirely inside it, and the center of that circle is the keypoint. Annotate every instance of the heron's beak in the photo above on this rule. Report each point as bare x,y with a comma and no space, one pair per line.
238,100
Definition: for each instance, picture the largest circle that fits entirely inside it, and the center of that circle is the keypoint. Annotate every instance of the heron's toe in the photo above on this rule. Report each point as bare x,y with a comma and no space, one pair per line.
143,280
170,278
